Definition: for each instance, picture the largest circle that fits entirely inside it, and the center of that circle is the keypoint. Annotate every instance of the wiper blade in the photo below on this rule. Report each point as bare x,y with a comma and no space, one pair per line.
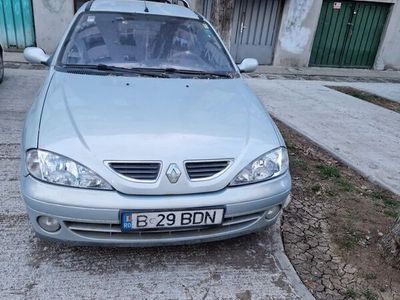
100,67
153,72
196,72
103,67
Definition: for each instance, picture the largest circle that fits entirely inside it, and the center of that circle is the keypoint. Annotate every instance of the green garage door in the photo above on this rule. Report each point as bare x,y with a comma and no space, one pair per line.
348,34
16,24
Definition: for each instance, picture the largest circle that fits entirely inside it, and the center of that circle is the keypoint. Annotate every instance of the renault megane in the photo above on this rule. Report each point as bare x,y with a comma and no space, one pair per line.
145,133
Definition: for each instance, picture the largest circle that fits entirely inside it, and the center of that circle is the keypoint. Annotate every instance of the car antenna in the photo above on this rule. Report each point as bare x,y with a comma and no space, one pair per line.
146,9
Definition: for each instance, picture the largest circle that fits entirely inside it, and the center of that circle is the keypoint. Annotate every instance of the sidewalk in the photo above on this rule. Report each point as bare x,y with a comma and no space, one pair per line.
16,60
363,135
14,57
338,72
326,74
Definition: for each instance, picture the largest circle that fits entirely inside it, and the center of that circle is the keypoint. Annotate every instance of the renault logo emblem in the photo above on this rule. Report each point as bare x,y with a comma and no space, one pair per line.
173,173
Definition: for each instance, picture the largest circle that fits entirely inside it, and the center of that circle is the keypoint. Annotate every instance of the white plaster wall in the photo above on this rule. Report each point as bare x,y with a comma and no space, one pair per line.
51,20
388,56
296,34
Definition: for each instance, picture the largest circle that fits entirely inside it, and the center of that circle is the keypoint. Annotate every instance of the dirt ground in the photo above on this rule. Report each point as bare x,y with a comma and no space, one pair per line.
333,226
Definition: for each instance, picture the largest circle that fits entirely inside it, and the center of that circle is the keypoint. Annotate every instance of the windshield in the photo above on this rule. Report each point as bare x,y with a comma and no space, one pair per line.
144,41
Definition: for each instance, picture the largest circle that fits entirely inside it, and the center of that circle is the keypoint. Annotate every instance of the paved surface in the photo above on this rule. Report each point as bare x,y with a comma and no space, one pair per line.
339,72
327,74
252,267
361,134
16,60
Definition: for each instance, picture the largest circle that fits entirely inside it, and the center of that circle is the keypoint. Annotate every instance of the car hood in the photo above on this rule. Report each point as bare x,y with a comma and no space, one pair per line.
93,119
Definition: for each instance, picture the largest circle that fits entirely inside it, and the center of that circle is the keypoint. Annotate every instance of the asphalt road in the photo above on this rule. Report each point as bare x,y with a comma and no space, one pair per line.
251,267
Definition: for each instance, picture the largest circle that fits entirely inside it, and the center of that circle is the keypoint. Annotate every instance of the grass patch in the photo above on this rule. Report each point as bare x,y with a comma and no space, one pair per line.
298,164
391,206
377,195
349,239
350,293
328,171
331,193
370,276
391,213
369,295
346,185
316,188
390,203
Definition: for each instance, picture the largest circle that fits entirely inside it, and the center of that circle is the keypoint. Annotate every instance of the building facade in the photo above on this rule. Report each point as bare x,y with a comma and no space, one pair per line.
298,33
326,33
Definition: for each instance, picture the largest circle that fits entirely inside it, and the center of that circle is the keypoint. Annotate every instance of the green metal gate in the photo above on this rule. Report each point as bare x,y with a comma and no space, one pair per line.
16,24
348,34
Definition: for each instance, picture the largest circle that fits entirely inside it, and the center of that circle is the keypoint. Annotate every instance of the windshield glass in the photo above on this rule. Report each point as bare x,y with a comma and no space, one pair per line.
144,41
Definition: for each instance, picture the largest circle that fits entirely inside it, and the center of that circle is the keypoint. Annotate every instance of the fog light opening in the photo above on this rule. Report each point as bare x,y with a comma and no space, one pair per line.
272,212
49,224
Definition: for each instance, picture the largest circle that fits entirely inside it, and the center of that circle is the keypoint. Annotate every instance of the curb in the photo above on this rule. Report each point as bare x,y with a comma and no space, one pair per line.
285,264
23,66
333,78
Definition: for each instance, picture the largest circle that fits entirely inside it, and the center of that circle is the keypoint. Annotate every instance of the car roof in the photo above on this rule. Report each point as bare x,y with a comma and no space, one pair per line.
138,6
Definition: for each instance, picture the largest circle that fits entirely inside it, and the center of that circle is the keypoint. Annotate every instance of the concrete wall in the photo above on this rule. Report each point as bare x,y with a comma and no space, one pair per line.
388,56
296,34
51,20
196,4
221,16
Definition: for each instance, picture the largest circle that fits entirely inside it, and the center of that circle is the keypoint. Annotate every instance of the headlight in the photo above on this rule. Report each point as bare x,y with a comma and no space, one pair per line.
57,169
267,166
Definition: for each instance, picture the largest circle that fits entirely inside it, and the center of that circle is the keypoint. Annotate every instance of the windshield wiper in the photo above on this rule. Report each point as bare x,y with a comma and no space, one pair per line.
197,73
103,67
168,71
152,72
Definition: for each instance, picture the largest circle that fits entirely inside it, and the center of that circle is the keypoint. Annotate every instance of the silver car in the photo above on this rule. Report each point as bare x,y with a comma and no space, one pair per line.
144,133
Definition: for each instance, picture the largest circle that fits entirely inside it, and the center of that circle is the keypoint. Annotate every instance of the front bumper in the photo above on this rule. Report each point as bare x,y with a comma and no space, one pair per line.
92,217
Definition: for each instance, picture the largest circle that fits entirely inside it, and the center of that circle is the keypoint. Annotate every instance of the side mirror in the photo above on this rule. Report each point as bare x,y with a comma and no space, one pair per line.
36,55
248,65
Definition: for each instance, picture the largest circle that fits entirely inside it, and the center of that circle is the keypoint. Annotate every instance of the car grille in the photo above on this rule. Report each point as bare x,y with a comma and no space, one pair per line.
113,231
141,171
200,170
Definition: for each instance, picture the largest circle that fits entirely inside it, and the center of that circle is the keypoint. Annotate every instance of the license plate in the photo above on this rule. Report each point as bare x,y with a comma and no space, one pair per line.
133,220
